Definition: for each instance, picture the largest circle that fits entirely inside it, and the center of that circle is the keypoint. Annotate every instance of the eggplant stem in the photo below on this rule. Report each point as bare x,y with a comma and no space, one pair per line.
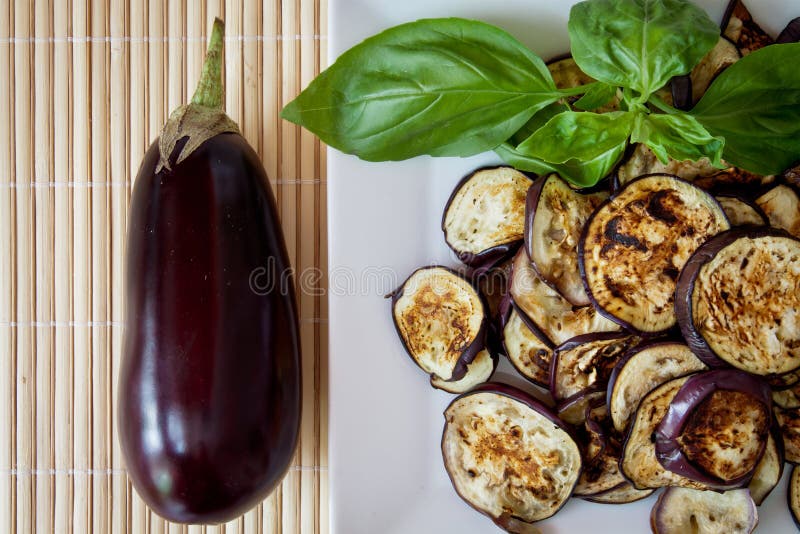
209,90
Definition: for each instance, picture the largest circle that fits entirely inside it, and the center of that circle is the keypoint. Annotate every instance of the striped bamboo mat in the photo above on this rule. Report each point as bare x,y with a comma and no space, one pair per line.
86,86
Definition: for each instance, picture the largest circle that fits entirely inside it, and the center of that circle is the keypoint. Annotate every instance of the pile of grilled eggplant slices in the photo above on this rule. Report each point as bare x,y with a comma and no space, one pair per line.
658,314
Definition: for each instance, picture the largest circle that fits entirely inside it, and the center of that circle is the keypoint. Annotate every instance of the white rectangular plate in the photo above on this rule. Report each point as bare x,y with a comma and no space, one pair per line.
386,473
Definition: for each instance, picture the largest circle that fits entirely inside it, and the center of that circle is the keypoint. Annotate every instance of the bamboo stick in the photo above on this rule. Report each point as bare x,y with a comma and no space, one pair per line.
233,61
81,269
62,102
7,333
43,171
25,267
119,120
270,88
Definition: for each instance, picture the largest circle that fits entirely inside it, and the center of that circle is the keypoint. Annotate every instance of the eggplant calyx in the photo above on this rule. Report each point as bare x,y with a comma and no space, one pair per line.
204,117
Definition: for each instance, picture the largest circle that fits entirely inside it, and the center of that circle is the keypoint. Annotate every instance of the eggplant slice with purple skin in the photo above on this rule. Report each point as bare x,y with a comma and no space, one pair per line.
573,409
508,456
484,217
722,56
738,26
584,363
788,420
716,428
639,463
793,495
528,350
479,371
624,493
554,218
635,245
643,369
441,319
781,204
682,510
740,211
550,312
601,453
738,298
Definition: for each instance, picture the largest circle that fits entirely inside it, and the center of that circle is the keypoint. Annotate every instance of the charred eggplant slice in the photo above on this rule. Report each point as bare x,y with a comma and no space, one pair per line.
441,320
781,204
554,218
722,56
584,363
738,300
528,350
622,494
741,212
508,455
788,420
601,453
635,245
791,33
573,409
479,371
716,428
550,312
682,510
793,495
738,26
638,462
643,369
484,218
770,469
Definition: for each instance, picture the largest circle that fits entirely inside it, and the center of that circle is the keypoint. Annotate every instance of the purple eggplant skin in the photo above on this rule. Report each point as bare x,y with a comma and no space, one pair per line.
210,388
210,385
792,494
477,345
686,282
697,388
791,33
682,92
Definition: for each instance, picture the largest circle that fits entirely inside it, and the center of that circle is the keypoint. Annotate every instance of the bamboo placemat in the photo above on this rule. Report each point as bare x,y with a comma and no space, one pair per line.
86,86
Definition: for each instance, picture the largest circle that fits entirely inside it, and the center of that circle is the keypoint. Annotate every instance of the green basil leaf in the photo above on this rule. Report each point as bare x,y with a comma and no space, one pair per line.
755,105
578,135
639,44
522,162
538,120
678,136
598,95
444,87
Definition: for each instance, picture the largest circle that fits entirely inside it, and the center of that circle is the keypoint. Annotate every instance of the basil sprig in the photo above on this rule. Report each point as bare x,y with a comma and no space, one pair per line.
456,87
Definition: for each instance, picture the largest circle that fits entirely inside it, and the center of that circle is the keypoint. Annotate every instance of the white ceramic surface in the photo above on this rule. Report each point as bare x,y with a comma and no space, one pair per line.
386,473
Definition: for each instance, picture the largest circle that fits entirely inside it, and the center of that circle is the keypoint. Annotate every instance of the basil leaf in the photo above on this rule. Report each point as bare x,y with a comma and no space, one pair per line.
598,95
538,120
578,135
444,87
582,147
679,137
639,44
755,105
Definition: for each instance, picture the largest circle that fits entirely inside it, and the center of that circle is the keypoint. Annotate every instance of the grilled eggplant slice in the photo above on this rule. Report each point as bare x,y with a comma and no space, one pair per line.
741,212
738,26
791,33
786,398
528,350
770,469
484,218
781,204
441,320
493,284
635,245
788,420
722,56
479,371
682,510
643,369
584,363
793,495
601,453
716,428
638,462
552,314
738,300
554,218
567,74
508,455
622,494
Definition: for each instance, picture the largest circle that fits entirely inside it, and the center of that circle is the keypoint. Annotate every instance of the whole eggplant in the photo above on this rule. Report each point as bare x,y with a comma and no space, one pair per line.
209,391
